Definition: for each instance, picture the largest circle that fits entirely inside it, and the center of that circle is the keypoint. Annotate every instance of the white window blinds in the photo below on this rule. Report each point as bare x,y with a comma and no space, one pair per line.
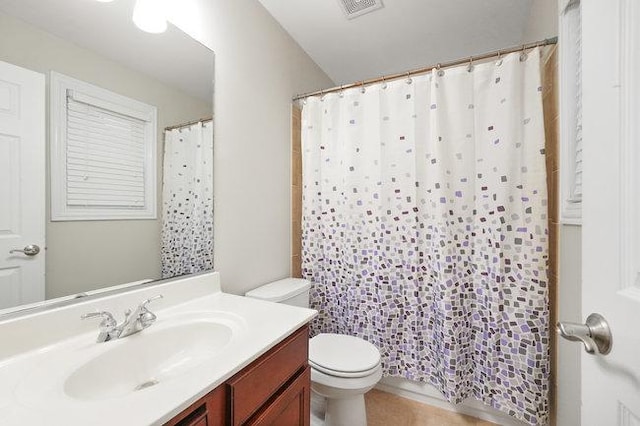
103,157
571,144
576,192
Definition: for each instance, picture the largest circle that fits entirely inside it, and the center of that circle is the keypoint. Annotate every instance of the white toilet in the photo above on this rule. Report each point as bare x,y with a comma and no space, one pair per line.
343,368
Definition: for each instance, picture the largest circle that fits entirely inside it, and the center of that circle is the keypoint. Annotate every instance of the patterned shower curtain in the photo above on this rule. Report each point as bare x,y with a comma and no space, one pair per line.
425,228
187,201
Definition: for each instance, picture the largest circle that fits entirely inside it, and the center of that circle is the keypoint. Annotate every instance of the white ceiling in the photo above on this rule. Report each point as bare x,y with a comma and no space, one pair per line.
172,57
404,35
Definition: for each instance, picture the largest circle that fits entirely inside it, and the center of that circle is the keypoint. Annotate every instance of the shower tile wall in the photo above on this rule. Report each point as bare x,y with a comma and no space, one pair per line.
551,125
296,192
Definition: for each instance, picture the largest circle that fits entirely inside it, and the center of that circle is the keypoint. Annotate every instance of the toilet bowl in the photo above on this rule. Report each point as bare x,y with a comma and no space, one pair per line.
343,368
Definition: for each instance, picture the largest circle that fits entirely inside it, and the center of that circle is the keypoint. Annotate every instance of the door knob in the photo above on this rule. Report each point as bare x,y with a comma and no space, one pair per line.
595,334
30,250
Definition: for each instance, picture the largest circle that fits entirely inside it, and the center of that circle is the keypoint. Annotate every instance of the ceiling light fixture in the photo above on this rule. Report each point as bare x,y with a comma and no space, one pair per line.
150,16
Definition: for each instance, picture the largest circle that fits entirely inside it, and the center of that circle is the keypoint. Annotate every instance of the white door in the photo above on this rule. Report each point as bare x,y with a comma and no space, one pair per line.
611,213
22,185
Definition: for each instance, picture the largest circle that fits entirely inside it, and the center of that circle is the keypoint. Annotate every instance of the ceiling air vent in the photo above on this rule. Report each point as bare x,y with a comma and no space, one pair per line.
354,8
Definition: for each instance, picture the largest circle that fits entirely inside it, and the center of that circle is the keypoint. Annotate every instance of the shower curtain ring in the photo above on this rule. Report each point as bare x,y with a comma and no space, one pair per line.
440,71
499,61
341,91
409,80
384,82
470,66
362,88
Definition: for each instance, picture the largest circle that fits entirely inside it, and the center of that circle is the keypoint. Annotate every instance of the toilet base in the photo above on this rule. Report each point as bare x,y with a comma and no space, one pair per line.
318,409
349,411
346,412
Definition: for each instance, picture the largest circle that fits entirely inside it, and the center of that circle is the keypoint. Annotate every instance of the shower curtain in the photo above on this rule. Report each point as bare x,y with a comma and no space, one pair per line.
187,200
425,228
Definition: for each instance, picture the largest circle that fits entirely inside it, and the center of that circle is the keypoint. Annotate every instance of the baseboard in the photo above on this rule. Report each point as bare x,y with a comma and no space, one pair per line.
427,394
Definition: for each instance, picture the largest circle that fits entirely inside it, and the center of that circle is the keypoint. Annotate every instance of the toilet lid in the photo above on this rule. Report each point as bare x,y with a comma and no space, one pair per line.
343,374
342,354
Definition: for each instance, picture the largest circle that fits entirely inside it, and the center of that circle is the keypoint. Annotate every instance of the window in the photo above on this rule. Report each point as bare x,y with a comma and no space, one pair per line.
571,112
103,153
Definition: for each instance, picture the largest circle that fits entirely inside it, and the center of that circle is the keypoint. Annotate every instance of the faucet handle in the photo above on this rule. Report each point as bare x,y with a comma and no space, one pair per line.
108,321
144,304
146,316
108,325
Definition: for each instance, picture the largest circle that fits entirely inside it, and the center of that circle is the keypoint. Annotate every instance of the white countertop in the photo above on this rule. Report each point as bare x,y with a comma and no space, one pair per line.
33,371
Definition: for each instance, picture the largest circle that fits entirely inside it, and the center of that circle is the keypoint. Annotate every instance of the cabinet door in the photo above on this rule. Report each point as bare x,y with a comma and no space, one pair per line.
257,384
207,411
291,407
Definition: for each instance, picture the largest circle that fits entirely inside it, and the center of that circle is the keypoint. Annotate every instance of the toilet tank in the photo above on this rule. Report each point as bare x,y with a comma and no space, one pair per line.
290,291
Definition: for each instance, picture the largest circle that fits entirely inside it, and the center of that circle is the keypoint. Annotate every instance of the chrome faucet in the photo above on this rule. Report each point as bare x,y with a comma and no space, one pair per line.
133,323
140,319
108,325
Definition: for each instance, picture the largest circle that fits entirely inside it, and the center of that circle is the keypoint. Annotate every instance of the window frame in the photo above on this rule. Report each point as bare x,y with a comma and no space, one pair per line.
60,85
569,29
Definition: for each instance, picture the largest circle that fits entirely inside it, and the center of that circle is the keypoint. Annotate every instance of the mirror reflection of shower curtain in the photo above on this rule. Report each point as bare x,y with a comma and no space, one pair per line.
187,200
425,228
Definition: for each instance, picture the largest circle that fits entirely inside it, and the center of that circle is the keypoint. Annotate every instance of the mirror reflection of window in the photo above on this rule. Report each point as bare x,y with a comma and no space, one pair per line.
169,71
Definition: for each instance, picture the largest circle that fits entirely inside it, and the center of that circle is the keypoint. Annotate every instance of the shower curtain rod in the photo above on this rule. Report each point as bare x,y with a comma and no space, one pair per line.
189,123
423,70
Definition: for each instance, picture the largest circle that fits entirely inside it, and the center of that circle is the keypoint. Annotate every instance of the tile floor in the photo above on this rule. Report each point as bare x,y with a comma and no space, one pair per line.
385,409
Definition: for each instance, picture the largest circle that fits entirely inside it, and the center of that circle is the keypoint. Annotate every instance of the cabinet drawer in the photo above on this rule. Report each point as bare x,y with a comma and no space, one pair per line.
253,386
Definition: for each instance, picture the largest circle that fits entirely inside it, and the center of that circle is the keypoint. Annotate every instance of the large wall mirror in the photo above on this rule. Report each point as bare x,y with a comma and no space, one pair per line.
106,147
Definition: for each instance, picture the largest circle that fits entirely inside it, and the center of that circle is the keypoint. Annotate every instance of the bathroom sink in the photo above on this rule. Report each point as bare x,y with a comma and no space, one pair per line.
147,359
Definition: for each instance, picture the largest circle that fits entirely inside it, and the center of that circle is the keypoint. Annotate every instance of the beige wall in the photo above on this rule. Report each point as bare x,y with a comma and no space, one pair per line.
542,22
258,70
87,255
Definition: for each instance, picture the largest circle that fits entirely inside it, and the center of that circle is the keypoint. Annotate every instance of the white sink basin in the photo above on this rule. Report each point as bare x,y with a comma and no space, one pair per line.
151,357
52,371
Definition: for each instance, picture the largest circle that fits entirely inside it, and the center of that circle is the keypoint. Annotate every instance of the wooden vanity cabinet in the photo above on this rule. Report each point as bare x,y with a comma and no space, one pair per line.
275,389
